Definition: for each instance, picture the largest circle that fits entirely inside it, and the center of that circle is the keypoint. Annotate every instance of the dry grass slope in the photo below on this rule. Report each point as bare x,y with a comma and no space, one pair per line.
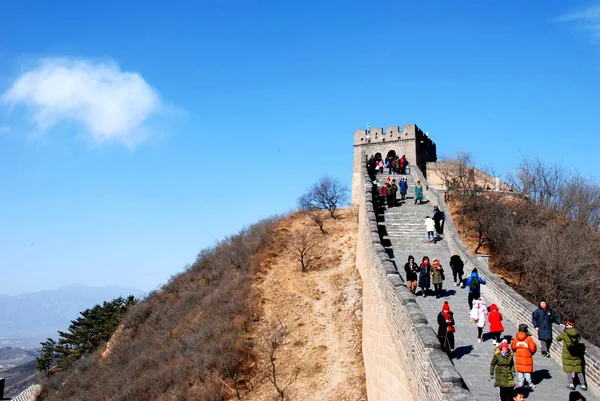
202,335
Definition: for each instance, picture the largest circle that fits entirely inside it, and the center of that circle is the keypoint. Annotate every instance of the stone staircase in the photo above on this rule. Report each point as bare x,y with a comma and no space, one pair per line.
402,229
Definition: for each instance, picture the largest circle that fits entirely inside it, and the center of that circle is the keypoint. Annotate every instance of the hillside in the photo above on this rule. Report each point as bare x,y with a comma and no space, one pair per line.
204,335
18,378
322,312
540,252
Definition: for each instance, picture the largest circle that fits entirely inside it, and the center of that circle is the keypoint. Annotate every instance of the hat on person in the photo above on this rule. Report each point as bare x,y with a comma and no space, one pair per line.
446,307
503,345
571,321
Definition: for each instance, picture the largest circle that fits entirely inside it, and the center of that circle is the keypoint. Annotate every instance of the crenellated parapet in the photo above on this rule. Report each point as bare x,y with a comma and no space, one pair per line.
409,141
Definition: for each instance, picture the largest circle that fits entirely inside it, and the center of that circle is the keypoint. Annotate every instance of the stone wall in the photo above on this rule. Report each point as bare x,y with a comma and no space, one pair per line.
513,305
402,355
29,394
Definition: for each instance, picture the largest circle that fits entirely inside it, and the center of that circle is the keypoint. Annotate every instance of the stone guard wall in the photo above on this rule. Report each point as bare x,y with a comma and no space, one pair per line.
514,306
402,354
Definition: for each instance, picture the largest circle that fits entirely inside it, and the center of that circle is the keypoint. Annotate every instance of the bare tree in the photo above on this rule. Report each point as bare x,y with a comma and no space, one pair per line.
538,182
457,173
326,194
302,244
318,216
274,338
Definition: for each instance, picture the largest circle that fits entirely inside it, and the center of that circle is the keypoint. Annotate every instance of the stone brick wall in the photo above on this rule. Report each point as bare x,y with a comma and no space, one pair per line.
513,305
29,394
402,355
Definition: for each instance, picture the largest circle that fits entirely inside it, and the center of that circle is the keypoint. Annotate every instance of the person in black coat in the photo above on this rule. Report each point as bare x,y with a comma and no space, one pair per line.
411,269
457,266
425,276
438,217
446,328
542,320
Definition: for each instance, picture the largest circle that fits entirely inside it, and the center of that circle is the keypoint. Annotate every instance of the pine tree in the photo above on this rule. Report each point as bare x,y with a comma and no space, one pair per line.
93,328
45,362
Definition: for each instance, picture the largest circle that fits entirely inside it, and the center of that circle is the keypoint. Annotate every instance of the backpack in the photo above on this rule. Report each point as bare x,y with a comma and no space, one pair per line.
576,348
474,285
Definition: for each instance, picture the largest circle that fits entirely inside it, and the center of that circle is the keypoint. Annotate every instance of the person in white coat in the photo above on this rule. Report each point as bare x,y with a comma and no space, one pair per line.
430,227
479,317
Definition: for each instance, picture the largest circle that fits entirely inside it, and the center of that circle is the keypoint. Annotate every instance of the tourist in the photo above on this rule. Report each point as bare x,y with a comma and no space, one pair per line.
371,165
576,396
502,369
518,395
383,192
438,218
478,316
390,164
542,320
403,164
419,193
389,195
457,266
496,327
572,355
437,277
403,188
446,328
411,269
524,347
429,227
381,166
425,276
394,191
474,283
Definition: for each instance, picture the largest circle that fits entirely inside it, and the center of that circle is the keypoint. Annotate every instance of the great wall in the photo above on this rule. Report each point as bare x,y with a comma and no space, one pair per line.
403,358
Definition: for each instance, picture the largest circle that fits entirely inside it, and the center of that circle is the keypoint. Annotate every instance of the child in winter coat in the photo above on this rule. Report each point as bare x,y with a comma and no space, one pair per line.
524,347
503,368
496,327
430,227
478,316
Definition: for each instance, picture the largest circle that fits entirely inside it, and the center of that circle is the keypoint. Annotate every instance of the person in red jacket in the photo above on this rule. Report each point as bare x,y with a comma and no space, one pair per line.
383,192
524,347
496,327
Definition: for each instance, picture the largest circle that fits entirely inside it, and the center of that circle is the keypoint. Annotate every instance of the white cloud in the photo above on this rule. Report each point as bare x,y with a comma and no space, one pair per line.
4,130
587,18
110,103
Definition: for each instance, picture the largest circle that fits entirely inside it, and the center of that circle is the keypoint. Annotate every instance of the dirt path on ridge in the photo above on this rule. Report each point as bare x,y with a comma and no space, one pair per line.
322,312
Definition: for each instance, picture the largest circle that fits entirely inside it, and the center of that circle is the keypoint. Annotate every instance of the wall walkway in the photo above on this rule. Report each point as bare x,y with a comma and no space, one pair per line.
402,355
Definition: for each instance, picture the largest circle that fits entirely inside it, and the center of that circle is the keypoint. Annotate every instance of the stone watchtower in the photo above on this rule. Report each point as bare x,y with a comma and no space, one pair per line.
410,141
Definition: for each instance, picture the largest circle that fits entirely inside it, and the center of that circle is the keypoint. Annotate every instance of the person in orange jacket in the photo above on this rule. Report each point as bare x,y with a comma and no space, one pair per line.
496,327
524,347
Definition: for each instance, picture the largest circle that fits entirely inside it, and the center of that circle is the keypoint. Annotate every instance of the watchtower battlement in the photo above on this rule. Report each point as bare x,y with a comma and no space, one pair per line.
410,141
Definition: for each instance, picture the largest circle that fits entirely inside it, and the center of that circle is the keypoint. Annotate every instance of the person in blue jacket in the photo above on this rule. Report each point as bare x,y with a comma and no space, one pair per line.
474,285
542,320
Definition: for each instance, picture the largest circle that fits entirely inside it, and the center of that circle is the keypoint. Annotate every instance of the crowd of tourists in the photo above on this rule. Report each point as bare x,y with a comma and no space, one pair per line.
512,362
393,164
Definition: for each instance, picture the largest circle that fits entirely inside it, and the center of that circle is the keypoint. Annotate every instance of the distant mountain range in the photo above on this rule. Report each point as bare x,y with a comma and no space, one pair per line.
29,318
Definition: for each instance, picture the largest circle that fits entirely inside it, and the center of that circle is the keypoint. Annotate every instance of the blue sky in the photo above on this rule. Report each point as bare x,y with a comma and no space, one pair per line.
133,134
